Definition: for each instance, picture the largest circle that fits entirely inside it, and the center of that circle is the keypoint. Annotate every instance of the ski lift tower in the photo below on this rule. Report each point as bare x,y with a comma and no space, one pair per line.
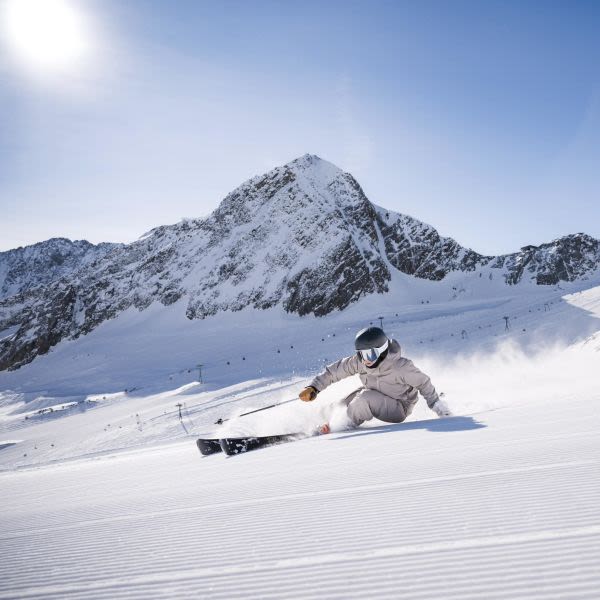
380,322
199,367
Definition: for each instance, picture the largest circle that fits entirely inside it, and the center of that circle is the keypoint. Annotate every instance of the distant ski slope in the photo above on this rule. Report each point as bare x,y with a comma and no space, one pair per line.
118,387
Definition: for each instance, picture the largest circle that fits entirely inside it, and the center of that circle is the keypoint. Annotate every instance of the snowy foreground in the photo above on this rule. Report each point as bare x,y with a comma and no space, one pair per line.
106,495
500,504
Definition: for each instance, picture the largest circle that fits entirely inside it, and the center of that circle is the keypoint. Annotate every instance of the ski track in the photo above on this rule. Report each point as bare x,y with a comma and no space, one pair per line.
506,510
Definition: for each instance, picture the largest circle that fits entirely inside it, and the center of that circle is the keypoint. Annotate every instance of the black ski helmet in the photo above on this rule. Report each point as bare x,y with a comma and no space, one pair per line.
370,337
371,341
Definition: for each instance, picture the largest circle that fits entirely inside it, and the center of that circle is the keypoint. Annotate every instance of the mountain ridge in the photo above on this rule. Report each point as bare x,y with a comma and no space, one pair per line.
28,266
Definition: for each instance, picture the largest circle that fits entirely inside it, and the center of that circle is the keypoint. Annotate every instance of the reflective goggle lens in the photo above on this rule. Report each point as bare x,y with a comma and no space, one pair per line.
372,354
369,355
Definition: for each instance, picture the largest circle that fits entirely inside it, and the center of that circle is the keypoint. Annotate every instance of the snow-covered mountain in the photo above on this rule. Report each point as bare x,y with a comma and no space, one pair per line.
22,269
303,237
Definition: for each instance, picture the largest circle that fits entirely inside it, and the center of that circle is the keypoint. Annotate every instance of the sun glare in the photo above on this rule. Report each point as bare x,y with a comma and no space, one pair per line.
45,35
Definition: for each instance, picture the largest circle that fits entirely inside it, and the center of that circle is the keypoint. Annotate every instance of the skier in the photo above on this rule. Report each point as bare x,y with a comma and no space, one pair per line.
390,383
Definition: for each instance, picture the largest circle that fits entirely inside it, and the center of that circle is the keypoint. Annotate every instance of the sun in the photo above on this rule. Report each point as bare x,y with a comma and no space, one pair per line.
45,35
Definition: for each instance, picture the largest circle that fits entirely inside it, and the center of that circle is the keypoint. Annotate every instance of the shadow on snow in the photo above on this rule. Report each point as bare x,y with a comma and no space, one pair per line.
437,425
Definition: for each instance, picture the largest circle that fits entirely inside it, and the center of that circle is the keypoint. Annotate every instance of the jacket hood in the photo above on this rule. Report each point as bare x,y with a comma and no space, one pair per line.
395,348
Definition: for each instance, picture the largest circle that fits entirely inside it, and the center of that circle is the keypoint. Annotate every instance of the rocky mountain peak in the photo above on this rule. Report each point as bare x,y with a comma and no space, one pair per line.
286,186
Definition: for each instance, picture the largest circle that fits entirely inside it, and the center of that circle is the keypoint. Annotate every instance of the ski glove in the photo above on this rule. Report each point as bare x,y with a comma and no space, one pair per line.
308,393
441,409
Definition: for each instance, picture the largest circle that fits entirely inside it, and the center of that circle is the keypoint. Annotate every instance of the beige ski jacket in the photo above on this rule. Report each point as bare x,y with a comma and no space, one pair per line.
396,377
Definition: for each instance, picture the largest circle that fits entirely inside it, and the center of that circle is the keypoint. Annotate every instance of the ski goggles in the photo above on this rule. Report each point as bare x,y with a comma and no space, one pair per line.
370,355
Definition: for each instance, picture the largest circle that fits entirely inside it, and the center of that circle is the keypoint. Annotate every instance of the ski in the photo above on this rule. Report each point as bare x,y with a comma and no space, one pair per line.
208,446
232,446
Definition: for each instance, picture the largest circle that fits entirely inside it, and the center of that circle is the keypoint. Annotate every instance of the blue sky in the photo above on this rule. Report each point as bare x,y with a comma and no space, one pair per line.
480,118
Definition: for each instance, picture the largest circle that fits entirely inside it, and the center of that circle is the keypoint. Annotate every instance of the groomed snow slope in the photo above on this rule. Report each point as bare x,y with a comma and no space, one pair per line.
501,504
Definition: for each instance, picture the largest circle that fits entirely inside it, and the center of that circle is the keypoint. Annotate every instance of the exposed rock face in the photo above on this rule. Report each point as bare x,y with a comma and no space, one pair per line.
25,268
566,259
418,249
303,236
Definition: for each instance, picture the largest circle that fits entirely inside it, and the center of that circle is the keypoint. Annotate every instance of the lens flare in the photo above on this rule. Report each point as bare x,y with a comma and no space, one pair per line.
45,35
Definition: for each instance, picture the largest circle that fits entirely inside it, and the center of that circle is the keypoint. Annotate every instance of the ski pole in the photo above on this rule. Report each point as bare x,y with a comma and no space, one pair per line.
221,421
